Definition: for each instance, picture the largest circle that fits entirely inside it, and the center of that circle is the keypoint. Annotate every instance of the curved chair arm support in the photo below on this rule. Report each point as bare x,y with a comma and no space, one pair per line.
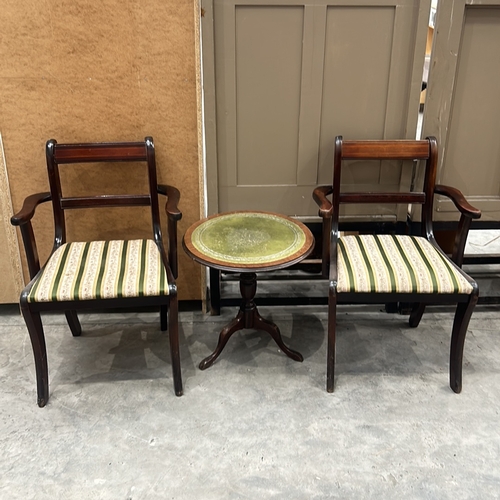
468,212
28,210
173,196
459,200
174,214
320,197
23,219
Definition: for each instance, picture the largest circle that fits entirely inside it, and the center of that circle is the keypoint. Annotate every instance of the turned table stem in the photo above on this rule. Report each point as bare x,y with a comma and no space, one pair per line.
248,317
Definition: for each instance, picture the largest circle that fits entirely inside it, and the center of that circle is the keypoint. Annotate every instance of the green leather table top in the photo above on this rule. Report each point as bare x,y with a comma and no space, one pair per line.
250,239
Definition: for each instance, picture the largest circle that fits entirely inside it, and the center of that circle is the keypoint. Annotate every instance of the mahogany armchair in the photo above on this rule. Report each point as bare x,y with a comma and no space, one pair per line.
100,274
385,268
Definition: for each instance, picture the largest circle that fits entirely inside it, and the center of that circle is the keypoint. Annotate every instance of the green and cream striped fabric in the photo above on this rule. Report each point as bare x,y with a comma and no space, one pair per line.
101,270
388,263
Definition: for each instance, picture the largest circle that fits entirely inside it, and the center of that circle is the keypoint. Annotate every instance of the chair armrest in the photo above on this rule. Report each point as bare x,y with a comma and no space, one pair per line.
23,219
173,196
320,197
468,212
28,210
459,200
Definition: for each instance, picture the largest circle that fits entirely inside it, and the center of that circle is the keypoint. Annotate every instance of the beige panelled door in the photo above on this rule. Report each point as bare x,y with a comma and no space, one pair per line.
463,103
283,78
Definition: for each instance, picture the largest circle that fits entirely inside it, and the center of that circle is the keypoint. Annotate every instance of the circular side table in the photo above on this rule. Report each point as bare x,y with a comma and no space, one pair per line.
248,242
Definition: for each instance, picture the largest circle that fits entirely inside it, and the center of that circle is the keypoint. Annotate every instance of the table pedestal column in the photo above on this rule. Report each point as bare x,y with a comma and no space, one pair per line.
248,317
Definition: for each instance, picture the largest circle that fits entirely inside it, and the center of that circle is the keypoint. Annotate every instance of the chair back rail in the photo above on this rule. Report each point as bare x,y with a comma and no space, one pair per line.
423,151
99,152
395,197
106,201
380,150
66,154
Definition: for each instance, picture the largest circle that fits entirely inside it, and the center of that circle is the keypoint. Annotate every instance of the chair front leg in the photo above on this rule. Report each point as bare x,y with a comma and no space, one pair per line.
332,325
35,330
173,333
460,324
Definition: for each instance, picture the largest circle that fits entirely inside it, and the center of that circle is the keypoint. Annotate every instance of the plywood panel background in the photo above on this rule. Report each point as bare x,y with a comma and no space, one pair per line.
10,261
80,70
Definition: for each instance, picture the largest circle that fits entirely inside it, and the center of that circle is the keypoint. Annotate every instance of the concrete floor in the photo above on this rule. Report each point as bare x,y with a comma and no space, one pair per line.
256,424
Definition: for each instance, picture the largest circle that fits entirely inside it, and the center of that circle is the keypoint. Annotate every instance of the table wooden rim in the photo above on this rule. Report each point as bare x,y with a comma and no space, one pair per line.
294,258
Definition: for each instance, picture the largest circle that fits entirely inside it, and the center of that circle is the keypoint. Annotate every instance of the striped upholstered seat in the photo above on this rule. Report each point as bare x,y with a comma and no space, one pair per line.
401,264
101,270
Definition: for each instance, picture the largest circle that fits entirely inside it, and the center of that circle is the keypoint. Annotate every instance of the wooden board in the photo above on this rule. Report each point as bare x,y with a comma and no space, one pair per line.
83,71
10,261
